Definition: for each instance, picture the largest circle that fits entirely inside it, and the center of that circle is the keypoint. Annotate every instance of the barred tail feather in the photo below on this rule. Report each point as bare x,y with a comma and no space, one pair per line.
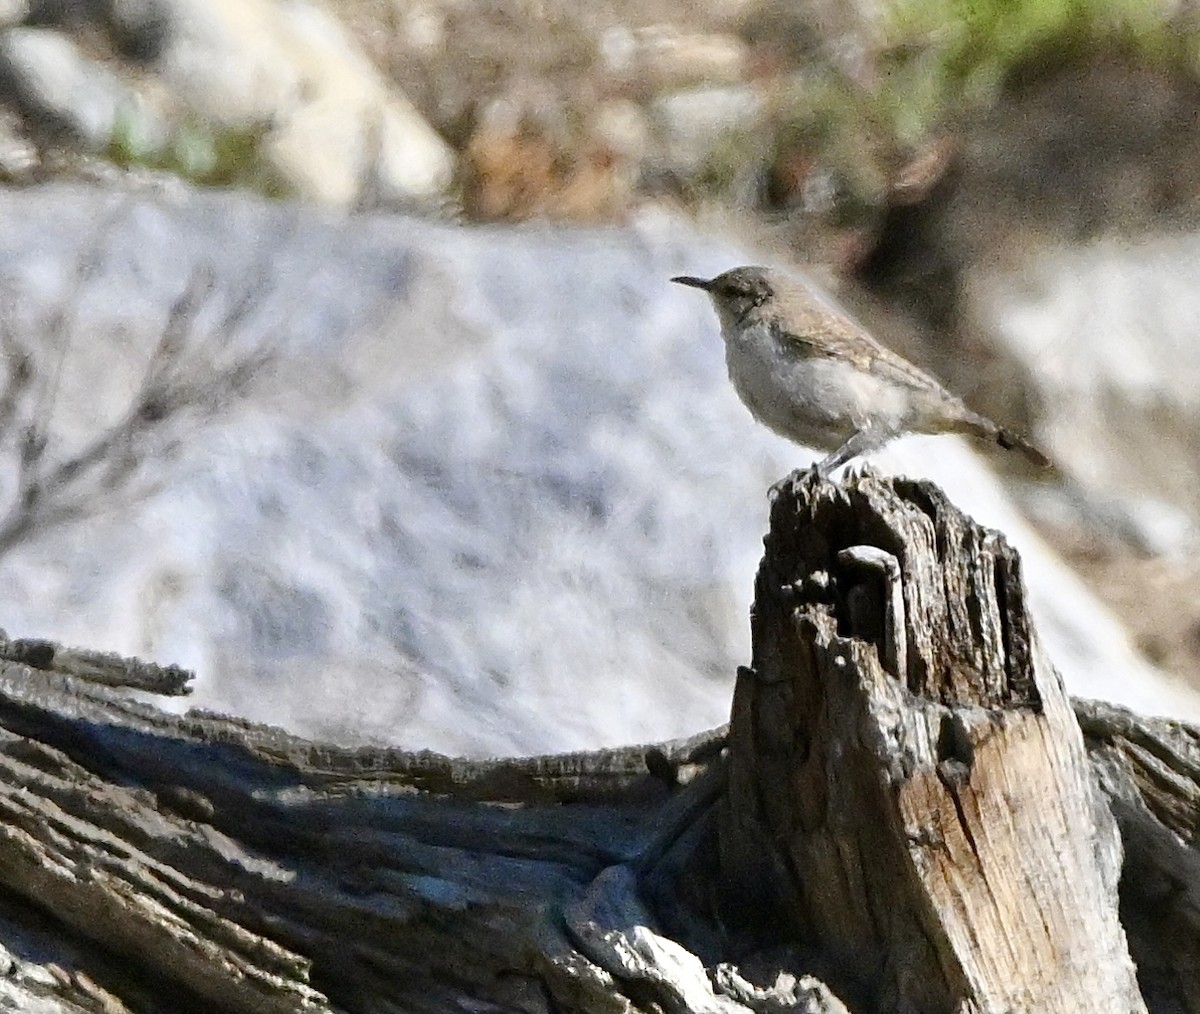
1011,442
982,426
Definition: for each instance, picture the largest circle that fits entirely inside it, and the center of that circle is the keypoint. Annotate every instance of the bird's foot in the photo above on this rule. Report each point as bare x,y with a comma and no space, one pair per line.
824,469
813,476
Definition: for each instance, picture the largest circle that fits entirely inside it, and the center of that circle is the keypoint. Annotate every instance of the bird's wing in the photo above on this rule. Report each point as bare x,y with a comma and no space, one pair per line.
886,363
823,330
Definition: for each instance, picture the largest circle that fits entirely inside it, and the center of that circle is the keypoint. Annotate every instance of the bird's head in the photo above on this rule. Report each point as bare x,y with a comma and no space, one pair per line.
736,294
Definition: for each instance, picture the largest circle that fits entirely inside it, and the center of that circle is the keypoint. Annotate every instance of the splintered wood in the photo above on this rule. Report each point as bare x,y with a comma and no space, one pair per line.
901,818
903,750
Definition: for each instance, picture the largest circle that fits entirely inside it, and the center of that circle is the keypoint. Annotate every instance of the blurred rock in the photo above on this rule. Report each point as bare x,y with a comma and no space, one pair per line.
621,125
492,492
66,91
140,28
255,92
691,124
335,131
1139,555
13,12
1105,333
1103,336
661,56
18,155
1122,525
423,27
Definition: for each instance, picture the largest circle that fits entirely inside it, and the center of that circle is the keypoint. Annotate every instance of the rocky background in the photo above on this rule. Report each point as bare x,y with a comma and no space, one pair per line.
340,362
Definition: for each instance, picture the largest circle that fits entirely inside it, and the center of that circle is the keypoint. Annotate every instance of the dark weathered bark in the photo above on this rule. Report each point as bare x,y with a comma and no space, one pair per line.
902,806
911,763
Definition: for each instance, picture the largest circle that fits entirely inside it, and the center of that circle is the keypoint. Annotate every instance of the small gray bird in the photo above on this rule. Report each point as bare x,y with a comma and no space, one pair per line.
808,371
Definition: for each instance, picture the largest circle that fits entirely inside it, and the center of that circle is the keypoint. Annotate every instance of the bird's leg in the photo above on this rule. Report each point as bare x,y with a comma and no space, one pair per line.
860,442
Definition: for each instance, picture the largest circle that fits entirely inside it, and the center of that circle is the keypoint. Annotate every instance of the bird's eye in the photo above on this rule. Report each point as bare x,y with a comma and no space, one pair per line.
735,290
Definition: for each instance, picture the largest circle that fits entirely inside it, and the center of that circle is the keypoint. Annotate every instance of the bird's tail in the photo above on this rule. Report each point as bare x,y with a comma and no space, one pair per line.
1010,441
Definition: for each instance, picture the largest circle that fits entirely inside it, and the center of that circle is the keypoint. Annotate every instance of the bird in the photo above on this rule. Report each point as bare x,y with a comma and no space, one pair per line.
808,371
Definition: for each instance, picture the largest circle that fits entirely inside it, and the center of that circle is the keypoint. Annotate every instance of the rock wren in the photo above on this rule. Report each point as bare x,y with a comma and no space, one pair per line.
805,369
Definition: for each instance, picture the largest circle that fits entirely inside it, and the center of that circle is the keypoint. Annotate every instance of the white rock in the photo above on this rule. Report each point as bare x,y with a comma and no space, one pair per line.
693,123
666,57
13,12
58,84
337,130
1107,334
495,494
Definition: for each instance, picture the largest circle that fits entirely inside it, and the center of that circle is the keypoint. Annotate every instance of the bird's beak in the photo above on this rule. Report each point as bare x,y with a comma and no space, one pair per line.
695,283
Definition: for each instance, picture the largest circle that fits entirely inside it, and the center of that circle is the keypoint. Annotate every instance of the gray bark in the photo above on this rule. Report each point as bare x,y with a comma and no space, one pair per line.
906,813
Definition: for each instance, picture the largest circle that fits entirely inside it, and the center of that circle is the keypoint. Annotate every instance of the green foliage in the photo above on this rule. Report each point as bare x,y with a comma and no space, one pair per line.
199,154
943,56
935,61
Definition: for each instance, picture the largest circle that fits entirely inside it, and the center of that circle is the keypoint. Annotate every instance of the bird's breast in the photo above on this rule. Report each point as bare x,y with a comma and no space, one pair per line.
814,399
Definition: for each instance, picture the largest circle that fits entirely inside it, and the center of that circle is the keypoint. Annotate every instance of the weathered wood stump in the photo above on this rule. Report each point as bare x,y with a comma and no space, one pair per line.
905,815
910,761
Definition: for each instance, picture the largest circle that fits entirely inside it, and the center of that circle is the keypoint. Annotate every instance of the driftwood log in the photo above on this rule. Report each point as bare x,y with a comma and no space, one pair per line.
905,813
